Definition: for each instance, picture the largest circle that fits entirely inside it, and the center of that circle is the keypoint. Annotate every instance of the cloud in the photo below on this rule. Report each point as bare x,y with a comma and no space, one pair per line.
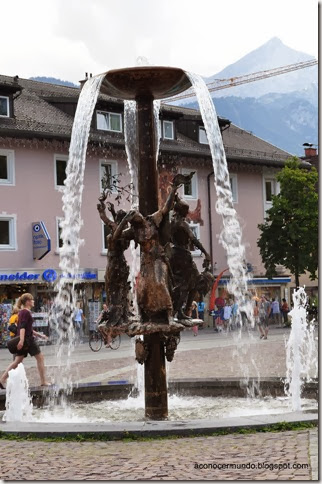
68,38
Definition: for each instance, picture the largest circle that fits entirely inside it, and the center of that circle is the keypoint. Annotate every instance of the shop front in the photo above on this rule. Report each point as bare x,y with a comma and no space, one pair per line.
274,288
41,283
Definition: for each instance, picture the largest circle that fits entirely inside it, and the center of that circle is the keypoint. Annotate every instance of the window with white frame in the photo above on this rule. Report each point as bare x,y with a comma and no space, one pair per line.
8,233
109,121
203,139
270,187
190,189
196,232
233,187
60,170
4,107
168,130
108,172
7,167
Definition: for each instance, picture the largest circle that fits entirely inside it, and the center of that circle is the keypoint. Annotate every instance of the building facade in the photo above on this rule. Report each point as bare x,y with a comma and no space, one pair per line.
35,128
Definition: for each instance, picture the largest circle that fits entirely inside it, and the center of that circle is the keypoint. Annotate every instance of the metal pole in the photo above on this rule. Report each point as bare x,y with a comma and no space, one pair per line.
155,382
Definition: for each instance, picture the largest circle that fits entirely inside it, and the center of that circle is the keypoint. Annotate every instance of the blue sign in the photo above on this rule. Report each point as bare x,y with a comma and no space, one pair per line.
40,240
49,275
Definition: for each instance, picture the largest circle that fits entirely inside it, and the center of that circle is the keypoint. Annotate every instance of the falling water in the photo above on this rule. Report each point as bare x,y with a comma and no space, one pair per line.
18,400
231,235
301,352
61,317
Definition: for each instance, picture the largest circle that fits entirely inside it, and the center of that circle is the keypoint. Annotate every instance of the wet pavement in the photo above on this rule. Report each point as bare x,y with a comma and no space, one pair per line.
290,455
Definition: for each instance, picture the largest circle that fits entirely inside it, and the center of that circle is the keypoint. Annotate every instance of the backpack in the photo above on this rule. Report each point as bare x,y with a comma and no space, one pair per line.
13,328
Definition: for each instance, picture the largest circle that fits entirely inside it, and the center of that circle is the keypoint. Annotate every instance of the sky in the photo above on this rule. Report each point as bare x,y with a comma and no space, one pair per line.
66,38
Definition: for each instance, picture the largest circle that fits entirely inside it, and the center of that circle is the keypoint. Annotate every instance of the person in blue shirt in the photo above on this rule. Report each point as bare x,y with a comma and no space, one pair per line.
201,310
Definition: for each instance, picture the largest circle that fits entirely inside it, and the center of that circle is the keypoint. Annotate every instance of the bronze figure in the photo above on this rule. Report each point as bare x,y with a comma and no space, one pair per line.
154,281
117,269
186,276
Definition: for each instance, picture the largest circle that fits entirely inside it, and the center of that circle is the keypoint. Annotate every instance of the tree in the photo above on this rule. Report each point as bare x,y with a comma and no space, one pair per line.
289,235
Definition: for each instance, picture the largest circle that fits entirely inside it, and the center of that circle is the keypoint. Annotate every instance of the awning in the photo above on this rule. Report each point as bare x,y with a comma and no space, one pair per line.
263,281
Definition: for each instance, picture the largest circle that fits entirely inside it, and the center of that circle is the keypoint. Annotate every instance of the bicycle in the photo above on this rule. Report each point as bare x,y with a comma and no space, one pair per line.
96,341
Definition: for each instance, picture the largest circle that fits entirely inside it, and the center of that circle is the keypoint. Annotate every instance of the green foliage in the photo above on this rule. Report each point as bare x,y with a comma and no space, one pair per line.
289,235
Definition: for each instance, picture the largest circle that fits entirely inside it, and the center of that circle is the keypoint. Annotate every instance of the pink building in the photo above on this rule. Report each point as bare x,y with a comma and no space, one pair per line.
35,128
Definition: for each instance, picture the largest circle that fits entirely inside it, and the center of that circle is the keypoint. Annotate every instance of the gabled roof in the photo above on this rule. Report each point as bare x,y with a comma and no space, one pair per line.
36,114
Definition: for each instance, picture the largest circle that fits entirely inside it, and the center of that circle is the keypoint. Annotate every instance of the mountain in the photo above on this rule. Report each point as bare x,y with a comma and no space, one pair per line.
281,109
53,80
269,56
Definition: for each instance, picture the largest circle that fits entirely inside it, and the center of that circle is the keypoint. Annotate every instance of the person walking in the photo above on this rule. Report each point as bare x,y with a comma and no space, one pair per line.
194,315
285,310
78,321
27,335
264,309
275,311
13,322
201,310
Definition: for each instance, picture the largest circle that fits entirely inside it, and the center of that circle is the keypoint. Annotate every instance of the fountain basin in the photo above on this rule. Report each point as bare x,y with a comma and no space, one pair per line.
121,430
211,387
156,82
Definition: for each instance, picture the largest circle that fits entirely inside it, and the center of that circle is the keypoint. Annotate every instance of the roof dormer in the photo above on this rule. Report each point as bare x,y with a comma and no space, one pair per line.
7,96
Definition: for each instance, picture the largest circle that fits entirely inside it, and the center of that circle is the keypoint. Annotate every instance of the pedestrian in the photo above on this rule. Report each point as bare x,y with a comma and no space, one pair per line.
201,310
13,322
285,310
234,312
194,315
264,309
275,311
78,321
27,335
104,318
227,314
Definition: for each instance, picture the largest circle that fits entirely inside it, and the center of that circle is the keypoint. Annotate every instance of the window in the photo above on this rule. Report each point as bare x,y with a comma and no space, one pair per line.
196,231
7,167
109,121
233,186
270,187
60,170
108,169
203,136
190,189
4,106
168,130
8,233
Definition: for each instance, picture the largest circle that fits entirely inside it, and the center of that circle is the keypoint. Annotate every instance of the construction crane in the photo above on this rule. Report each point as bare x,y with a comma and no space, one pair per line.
218,84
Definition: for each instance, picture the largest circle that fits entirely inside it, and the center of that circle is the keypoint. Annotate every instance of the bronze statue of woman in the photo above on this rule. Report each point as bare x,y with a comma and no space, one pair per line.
154,285
117,269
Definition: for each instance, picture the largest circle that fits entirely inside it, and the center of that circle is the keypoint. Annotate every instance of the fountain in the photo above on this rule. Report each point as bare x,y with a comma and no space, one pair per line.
148,226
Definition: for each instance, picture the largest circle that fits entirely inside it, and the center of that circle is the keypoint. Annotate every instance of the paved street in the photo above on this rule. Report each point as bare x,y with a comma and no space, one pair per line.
290,455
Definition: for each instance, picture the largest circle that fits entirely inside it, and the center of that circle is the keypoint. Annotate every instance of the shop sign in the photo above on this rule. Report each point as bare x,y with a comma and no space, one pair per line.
261,281
40,240
48,275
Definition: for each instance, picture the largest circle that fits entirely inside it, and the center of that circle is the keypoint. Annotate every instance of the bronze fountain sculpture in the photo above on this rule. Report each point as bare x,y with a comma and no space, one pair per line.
166,282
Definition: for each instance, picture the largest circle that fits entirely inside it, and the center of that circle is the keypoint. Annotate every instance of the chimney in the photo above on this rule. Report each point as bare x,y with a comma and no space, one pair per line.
309,152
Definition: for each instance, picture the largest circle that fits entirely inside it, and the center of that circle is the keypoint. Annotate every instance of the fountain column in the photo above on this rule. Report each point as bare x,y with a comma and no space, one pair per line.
156,398
144,85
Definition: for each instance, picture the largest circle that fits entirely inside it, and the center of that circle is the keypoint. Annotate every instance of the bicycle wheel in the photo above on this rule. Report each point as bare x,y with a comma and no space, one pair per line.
115,342
95,341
